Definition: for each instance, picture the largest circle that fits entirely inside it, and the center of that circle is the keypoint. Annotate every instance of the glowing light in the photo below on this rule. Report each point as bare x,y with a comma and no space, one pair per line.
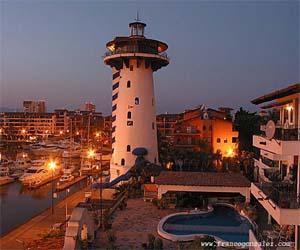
230,152
61,132
91,153
77,133
0,130
289,108
97,134
52,165
23,131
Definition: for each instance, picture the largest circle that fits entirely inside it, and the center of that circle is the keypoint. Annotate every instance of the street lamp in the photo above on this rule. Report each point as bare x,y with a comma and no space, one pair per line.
52,167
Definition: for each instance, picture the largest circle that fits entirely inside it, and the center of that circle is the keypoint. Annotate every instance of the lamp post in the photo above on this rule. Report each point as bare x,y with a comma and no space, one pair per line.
102,136
52,167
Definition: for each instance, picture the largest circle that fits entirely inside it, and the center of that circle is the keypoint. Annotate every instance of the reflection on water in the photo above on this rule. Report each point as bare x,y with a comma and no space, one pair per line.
19,204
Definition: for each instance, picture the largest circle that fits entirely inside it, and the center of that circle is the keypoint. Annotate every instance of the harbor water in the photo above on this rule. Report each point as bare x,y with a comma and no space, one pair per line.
19,204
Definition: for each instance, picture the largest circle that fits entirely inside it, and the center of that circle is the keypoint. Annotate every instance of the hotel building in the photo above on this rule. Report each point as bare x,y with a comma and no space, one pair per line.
26,126
133,60
34,106
277,189
188,130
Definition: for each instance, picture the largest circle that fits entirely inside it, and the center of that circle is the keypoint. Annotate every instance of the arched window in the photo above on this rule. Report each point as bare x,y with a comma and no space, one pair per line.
123,162
137,101
128,115
128,148
128,84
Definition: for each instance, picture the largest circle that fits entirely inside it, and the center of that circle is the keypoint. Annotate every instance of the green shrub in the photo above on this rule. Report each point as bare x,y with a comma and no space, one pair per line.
158,244
151,239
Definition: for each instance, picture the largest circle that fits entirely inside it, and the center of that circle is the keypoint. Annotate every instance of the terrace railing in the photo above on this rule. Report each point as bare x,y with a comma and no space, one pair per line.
283,195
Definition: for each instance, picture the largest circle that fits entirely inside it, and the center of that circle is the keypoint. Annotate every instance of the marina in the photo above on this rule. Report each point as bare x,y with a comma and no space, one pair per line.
19,204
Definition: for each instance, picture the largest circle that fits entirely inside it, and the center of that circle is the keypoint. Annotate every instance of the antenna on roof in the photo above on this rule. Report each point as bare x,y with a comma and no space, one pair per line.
137,16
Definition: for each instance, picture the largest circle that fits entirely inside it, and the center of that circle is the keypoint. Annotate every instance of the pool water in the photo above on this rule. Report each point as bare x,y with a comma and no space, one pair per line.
223,222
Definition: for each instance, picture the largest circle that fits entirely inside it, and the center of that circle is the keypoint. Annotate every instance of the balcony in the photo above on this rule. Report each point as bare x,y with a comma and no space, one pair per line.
277,146
187,131
279,200
126,50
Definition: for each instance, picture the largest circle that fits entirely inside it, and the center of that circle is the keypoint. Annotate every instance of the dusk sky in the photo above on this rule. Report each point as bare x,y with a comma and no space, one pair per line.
223,53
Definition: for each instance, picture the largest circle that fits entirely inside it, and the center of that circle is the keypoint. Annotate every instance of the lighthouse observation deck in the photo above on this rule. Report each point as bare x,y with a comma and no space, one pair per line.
121,49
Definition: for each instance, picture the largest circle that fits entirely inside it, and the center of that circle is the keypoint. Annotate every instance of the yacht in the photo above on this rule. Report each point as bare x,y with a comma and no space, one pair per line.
4,176
37,175
66,177
21,164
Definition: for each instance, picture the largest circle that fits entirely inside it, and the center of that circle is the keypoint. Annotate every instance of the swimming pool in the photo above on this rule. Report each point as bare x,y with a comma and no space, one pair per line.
223,222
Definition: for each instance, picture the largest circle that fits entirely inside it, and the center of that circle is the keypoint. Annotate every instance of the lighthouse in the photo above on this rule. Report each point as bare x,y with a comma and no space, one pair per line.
133,59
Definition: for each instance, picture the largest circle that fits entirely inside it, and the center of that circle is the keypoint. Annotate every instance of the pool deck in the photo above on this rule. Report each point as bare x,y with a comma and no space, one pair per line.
133,224
31,230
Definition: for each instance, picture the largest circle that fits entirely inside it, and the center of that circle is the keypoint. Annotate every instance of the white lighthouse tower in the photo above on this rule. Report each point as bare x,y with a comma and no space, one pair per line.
133,60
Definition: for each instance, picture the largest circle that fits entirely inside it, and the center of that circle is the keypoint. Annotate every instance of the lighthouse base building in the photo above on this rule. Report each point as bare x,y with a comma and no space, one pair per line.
133,60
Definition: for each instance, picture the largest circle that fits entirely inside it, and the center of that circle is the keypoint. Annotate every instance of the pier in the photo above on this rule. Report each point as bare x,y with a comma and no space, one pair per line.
66,185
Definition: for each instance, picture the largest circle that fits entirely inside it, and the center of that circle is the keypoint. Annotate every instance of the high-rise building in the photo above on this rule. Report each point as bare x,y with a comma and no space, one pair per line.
90,107
34,106
133,60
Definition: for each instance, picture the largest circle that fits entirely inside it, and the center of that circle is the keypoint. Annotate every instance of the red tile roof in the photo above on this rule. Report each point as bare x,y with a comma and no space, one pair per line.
202,179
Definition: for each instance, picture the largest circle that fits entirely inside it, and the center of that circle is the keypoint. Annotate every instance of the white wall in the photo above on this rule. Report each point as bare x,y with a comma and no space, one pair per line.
141,134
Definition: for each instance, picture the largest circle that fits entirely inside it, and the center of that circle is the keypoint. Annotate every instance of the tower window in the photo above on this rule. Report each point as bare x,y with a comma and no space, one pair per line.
128,148
218,140
114,107
123,162
113,118
113,129
115,86
137,101
131,67
115,96
225,141
115,75
128,84
128,115
129,123
113,140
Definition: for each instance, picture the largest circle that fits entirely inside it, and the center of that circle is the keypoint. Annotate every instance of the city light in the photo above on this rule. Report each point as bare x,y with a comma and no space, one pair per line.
97,134
230,152
23,131
289,108
91,153
61,132
52,165
77,133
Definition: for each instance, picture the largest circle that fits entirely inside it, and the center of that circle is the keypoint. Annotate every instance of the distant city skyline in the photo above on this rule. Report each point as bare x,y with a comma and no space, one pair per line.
222,53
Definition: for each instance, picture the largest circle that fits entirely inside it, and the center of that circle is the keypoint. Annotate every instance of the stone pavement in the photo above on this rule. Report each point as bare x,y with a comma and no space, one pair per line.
32,229
133,224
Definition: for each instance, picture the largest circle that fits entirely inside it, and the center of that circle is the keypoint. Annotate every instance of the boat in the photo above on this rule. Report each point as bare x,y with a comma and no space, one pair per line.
20,164
37,175
71,153
17,174
4,176
87,168
66,177
6,180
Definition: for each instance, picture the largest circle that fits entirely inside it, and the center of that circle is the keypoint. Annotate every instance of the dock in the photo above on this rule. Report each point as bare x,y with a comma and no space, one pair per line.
66,185
42,183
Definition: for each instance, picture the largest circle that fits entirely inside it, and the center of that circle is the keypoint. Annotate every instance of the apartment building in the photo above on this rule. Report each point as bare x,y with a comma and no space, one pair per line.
277,188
